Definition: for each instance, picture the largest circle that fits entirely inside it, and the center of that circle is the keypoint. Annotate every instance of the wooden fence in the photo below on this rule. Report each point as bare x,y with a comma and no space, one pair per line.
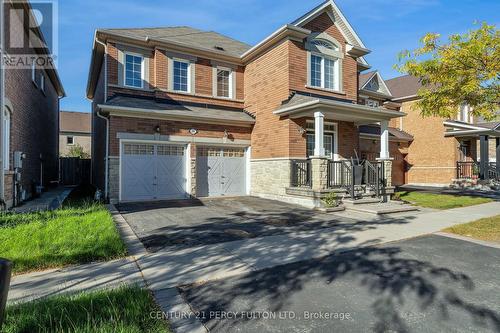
74,171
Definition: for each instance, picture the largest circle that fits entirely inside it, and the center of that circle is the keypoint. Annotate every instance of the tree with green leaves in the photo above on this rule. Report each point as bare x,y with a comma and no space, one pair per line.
77,151
463,71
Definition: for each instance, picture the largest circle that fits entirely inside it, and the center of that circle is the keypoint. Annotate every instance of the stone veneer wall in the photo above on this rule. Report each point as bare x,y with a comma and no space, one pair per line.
114,179
270,176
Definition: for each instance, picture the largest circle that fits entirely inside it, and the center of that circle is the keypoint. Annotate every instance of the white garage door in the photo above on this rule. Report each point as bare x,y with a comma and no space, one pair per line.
152,172
220,171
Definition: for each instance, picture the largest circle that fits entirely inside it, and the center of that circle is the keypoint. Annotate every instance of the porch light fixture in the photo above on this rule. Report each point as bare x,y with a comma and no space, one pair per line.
301,130
226,135
193,131
157,129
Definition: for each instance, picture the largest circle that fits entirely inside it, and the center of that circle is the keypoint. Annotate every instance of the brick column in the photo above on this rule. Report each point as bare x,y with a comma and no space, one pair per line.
319,171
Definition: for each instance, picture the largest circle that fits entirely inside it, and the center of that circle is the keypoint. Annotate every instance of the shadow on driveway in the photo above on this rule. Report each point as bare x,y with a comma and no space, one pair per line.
430,284
191,223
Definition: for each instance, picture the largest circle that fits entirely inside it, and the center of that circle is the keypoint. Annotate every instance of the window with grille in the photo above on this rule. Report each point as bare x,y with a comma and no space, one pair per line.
138,149
181,75
223,82
165,150
133,71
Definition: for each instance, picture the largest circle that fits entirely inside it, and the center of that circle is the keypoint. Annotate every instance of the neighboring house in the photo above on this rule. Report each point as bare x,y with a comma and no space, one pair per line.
374,92
442,149
31,127
179,112
74,130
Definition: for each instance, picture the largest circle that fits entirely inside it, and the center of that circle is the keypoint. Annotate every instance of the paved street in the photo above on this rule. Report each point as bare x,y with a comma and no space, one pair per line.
425,284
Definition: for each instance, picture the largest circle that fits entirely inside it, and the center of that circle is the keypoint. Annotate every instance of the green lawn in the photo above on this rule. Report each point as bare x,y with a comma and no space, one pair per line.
485,229
440,201
127,309
79,232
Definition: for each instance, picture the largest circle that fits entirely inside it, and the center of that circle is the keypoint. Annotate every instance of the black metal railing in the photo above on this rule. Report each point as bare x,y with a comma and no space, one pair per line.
467,170
374,176
349,176
301,173
493,171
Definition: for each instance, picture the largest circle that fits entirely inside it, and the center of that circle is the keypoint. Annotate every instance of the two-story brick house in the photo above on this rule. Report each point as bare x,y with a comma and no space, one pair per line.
30,142
180,112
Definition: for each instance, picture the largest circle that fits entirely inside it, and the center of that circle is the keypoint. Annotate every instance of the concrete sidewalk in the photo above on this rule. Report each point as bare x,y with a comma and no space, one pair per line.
91,277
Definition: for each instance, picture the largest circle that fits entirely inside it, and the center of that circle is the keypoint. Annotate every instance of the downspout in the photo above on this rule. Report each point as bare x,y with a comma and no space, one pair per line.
106,162
2,103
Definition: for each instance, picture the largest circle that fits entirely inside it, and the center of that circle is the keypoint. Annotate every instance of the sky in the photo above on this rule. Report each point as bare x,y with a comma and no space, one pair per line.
386,27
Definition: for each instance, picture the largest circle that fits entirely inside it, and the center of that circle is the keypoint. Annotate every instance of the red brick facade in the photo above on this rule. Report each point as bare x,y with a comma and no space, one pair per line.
34,129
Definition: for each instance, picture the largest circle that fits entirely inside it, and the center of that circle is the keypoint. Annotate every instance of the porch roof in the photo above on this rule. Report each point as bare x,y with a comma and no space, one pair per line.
461,129
303,105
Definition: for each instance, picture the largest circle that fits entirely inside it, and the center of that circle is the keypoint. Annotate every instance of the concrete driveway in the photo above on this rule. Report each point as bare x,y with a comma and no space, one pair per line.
188,223
425,284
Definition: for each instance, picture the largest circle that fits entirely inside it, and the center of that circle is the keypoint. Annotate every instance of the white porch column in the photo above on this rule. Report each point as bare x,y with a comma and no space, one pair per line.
384,140
319,148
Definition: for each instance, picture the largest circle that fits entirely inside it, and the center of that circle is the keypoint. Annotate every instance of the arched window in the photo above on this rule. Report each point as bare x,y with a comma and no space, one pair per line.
325,44
324,62
6,140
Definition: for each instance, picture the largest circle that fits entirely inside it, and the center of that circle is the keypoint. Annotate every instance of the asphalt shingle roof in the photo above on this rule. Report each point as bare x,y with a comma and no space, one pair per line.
78,122
192,37
393,132
403,86
184,110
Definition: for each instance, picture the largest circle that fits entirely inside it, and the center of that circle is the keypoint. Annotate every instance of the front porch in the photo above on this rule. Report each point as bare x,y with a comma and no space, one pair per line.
470,164
324,170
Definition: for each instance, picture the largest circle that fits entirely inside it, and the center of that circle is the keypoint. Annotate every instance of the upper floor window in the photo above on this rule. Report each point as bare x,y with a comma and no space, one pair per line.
181,75
42,83
324,72
33,72
325,60
224,82
134,71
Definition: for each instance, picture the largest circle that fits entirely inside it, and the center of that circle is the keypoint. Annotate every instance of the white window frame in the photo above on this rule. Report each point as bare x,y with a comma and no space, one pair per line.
335,149
6,140
336,71
125,69
174,60
72,140
230,83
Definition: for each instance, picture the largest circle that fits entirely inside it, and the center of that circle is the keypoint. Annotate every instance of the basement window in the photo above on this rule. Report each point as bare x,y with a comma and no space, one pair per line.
70,140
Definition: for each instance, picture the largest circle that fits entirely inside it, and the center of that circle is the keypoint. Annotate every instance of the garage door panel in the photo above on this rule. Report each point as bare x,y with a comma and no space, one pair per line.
220,171
152,172
171,177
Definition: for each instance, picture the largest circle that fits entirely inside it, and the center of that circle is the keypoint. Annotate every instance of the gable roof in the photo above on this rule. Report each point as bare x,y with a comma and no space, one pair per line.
338,18
78,122
364,77
382,90
188,36
405,86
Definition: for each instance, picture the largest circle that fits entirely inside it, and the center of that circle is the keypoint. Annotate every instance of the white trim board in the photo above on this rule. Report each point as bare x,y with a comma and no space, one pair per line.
181,139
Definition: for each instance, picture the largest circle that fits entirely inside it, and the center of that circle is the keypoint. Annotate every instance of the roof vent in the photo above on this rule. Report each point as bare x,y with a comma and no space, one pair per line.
220,48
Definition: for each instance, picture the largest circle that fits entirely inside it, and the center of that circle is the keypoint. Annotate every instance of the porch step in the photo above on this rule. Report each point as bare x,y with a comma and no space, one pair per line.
363,201
381,208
